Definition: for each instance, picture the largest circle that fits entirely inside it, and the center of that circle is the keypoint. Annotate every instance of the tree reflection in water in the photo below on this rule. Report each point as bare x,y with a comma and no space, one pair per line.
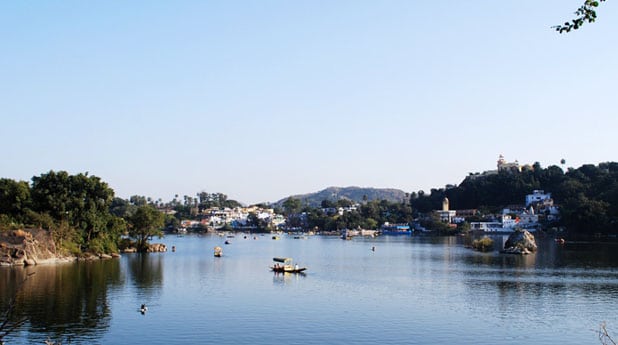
146,270
146,273
61,301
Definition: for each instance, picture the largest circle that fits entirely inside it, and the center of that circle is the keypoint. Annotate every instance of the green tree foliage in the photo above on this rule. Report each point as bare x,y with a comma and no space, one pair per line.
292,206
75,208
147,221
484,244
207,200
344,203
586,13
14,200
587,196
368,216
328,204
138,200
122,208
261,225
491,192
81,200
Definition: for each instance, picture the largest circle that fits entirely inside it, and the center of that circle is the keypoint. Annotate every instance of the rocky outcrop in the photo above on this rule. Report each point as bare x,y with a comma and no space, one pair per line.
28,247
520,242
34,247
150,248
93,257
157,247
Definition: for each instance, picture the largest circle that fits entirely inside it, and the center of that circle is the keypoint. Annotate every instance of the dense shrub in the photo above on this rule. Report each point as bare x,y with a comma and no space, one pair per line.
484,244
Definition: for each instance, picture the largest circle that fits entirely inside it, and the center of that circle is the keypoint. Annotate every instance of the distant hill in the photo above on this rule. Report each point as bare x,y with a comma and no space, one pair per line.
356,194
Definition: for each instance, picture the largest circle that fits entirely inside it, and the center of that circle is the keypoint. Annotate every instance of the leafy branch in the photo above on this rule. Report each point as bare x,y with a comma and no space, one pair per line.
586,13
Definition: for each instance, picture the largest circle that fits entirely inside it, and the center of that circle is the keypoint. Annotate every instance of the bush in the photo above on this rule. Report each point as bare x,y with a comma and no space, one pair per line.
126,243
102,245
8,223
484,244
71,248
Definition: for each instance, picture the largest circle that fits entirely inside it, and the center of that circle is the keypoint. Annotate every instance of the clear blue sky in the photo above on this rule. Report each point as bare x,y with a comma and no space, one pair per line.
263,99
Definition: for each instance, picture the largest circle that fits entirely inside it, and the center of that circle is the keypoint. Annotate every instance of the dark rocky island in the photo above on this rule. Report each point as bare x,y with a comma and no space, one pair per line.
520,242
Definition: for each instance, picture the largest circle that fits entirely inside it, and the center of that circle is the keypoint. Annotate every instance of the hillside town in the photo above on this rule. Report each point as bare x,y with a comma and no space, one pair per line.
534,212
538,208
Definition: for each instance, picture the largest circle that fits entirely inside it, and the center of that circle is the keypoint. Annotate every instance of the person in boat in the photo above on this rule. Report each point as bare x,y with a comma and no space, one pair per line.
296,267
143,308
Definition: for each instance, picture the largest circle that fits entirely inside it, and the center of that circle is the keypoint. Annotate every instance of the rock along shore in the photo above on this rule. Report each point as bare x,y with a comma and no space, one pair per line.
35,247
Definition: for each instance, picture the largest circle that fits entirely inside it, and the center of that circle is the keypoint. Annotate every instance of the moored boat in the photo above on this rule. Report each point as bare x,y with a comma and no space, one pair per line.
285,265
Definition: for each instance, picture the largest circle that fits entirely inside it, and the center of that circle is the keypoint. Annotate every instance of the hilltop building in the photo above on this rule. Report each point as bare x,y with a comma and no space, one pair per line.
502,166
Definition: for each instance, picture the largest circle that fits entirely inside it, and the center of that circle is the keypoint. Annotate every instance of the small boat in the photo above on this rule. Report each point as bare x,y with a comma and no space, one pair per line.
287,266
275,237
218,251
228,242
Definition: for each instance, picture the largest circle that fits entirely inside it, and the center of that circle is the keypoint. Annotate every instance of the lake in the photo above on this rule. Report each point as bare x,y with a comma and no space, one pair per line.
410,290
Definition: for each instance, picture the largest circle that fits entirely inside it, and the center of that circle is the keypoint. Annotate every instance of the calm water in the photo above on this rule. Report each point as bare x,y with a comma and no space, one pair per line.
409,291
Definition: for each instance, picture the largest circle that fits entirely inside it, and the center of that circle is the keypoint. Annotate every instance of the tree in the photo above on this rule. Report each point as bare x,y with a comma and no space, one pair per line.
586,216
80,200
14,198
138,200
260,224
146,222
585,14
292,205
344,203
122,208
328,203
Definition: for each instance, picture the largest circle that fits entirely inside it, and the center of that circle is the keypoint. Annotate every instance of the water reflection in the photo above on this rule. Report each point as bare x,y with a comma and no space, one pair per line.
280,278
406,291
58,298
146,270
556,280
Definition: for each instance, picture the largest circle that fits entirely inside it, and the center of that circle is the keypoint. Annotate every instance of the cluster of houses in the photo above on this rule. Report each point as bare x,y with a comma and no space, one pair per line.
538,206
238,218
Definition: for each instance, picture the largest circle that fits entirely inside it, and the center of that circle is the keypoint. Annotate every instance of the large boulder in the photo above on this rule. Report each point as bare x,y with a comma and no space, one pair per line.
520,242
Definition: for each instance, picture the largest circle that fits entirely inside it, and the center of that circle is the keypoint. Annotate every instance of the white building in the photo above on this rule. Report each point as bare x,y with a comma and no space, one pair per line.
536,197
446,215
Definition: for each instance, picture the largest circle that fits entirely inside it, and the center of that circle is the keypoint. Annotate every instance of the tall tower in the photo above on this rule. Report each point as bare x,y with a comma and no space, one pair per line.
501,161
445,204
